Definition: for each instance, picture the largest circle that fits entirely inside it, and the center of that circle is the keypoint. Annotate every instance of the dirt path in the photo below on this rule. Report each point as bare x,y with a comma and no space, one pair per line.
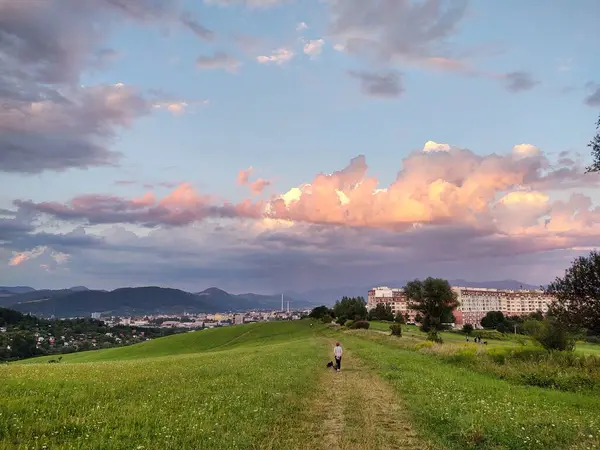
355,409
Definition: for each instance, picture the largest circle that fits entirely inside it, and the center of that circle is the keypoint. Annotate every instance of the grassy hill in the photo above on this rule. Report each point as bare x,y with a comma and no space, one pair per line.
265,385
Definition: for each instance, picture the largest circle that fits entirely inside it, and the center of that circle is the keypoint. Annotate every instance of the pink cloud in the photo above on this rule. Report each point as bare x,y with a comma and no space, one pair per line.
244,175
503,194
258,186
180,207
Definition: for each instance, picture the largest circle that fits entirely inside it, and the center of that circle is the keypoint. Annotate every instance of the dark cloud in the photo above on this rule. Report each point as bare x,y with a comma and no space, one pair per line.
519,81
396,28
218,60
47,120
58,135
387,84
297,257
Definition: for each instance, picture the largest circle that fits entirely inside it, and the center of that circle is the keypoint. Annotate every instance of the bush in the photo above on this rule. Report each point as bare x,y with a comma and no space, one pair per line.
396,330
349,323
467,329
433,336
341,320
593,339
360,324
553,335
327,319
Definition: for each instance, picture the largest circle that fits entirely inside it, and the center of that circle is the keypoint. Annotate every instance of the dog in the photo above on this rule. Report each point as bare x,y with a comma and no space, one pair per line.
330,364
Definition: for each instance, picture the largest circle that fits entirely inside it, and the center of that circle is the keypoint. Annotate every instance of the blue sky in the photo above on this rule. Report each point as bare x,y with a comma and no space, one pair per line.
294,120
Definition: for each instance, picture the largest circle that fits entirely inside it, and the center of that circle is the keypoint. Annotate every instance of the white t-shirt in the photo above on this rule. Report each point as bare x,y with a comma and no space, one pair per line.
337,351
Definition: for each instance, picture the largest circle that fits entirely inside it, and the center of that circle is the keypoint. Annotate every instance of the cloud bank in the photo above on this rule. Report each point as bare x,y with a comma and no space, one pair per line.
448,209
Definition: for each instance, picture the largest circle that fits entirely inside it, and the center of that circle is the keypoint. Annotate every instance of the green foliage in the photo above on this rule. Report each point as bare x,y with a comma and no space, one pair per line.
418,318
327,319
349,323
553,335
381,312
492,319
400,318
577,294
467,329
595,146
360,324
434,336
341,320
434,299
351,307
320,311
396,329
23,331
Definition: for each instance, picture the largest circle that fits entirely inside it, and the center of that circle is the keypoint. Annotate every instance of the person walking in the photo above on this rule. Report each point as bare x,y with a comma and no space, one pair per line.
337,353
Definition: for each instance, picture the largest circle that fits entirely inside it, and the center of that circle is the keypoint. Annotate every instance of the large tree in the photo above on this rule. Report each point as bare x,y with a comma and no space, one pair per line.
351,308
434,299
381,312
595,146
577,294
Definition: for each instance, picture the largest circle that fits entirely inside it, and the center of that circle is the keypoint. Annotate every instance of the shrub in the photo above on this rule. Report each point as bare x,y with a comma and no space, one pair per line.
360,324
327,319
467,329
593,339
396,330
349,323
553,335
433,336
341,320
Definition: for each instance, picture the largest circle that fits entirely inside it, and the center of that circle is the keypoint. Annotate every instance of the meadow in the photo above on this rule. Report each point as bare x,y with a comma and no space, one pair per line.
265,386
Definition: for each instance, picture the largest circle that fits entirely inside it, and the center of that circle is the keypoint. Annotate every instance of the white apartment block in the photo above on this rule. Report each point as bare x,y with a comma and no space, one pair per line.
474,303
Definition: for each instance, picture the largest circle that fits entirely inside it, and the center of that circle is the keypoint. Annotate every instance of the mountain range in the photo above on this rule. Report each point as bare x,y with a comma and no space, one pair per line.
81,301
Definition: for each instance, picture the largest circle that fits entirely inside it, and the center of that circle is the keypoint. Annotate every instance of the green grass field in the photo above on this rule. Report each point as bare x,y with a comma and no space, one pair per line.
265,386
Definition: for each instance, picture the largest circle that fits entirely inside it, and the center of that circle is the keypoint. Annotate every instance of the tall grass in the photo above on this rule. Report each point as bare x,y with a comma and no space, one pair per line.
460,408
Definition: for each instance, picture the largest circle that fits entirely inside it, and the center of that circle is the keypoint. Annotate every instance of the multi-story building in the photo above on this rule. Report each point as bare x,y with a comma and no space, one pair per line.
474,303
394,297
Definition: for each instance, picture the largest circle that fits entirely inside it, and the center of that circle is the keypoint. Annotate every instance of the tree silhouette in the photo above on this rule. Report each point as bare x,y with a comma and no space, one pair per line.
595,146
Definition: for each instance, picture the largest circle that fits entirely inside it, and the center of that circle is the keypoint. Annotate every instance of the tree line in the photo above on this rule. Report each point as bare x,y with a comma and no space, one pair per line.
574,313
26,336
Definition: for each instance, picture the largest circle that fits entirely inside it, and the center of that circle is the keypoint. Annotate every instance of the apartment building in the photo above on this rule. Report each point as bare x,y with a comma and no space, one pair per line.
474,303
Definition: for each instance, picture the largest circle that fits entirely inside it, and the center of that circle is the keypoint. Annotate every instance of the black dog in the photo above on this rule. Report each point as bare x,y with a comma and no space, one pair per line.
330,364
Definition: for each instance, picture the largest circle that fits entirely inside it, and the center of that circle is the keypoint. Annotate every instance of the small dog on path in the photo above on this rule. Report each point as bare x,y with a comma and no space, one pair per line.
330,364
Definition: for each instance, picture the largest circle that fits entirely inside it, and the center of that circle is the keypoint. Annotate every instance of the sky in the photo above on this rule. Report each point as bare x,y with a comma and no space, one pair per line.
270,145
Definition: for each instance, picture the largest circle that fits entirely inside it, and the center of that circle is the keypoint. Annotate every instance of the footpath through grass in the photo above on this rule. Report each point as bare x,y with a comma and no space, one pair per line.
265,386
461,409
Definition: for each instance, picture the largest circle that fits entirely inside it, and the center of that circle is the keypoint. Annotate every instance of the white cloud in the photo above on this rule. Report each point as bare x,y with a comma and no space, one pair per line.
525,150
279,56
302,26
314,47
432,146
